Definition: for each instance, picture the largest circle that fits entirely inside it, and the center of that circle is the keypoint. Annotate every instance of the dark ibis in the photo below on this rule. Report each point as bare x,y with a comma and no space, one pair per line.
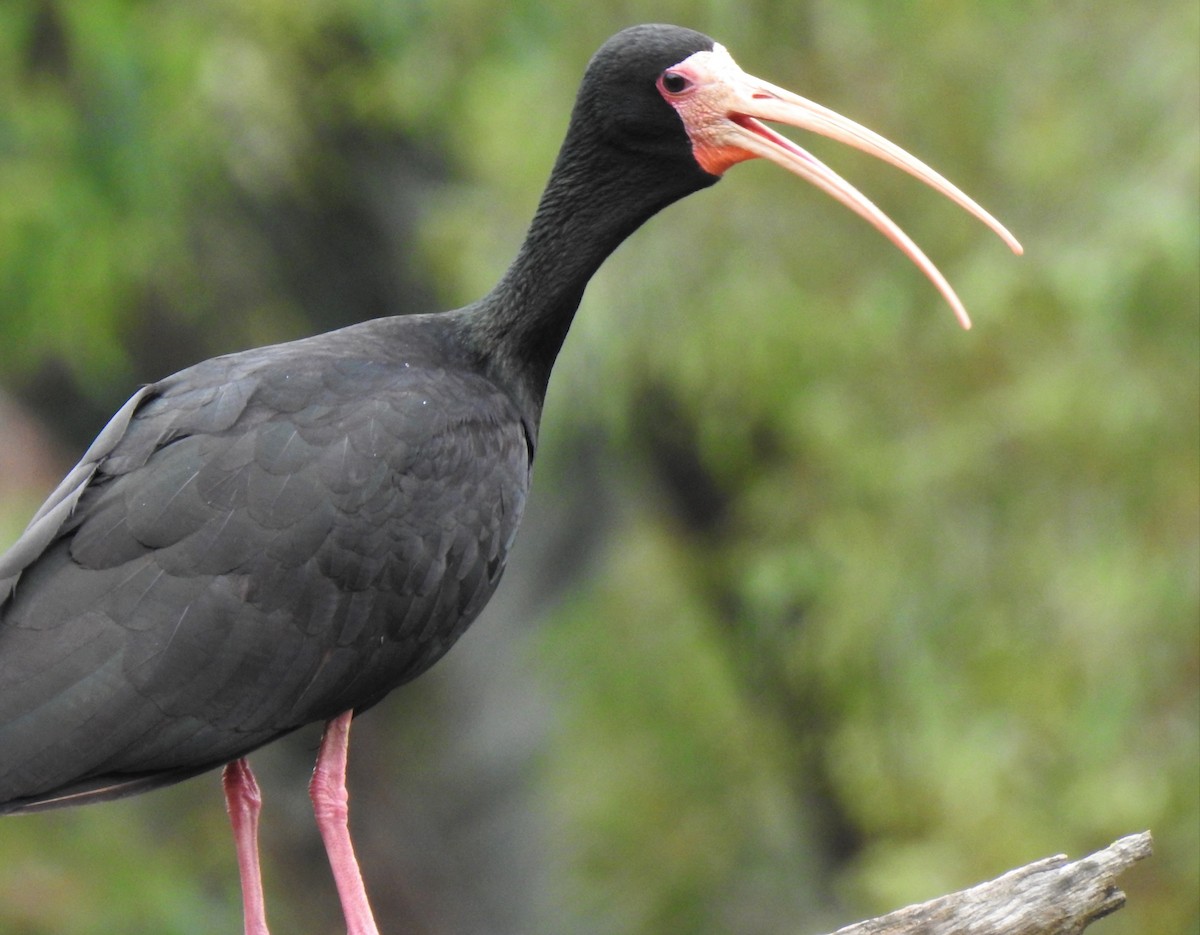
284,535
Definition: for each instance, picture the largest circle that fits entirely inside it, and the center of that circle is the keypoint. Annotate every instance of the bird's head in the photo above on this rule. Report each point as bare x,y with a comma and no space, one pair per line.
679,97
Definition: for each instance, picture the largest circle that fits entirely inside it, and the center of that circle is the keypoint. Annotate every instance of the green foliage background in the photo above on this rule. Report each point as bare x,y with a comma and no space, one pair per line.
826,606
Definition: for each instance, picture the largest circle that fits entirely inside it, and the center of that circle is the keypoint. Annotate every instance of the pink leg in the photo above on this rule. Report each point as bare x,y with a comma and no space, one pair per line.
330,805
244,802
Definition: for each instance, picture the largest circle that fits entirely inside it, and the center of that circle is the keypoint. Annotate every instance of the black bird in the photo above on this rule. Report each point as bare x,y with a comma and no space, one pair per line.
284,535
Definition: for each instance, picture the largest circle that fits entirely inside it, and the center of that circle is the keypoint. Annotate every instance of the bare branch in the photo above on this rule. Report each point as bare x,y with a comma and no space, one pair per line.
1046,897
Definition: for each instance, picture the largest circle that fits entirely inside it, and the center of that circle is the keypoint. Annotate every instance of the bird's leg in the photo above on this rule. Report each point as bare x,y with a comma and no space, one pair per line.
244,802
330,805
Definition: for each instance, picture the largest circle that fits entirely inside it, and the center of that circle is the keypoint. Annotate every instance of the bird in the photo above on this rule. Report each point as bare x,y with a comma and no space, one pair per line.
283,535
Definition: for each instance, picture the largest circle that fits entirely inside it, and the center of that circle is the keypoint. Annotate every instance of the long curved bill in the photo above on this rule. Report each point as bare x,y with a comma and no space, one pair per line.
722,108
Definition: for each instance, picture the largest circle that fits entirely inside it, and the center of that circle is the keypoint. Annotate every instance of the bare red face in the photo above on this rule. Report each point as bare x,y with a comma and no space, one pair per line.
722,108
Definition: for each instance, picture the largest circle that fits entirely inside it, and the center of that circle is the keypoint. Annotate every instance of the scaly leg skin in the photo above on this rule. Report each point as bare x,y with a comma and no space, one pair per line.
244,802
330,805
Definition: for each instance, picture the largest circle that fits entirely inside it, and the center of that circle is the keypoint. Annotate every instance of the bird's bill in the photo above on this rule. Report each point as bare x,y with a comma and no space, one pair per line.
722,108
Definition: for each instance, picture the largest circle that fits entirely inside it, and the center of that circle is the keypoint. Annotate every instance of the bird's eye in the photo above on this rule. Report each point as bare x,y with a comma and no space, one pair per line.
674,83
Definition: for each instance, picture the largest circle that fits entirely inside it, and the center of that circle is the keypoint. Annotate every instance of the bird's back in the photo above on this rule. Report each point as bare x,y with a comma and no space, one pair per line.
258,542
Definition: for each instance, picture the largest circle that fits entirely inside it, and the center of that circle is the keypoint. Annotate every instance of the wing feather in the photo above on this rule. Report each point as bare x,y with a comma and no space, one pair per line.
264,540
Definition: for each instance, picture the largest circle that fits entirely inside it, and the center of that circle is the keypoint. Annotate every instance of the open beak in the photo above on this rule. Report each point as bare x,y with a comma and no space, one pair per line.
721,107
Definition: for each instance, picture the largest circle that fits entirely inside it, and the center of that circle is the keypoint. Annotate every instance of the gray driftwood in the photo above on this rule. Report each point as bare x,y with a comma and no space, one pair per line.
1047,897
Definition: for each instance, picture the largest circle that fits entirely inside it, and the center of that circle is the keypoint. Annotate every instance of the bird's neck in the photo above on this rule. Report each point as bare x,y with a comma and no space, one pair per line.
596,197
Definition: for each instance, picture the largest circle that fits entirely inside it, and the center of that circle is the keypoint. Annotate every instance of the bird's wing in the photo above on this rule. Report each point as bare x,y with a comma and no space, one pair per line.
128,440
49,519
253,553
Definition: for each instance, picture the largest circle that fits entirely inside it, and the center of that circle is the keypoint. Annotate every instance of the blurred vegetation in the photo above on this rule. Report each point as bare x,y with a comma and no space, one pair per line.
825,606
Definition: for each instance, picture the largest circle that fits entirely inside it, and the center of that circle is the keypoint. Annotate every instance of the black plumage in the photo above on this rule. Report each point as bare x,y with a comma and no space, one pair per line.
270,538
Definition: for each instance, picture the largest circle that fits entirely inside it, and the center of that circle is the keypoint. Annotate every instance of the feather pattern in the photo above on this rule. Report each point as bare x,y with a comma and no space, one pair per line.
255,543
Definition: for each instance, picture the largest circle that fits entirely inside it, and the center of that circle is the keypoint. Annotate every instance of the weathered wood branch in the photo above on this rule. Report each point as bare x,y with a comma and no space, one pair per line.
1047,897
